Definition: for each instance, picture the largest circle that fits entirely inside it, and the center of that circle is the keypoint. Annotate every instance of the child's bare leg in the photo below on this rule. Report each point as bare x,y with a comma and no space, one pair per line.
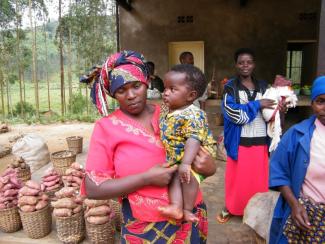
175,208
189,196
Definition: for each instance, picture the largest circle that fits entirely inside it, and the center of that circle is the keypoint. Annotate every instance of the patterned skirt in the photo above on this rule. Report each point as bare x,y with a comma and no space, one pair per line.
134,231
316,234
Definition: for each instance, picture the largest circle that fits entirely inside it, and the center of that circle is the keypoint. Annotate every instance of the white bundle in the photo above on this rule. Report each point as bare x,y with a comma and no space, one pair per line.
272,116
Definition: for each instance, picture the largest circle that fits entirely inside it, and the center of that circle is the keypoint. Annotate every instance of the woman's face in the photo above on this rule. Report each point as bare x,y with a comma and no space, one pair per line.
318,106
245,65
132,97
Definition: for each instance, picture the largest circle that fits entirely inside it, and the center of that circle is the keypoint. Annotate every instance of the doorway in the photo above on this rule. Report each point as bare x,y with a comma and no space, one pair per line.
195,47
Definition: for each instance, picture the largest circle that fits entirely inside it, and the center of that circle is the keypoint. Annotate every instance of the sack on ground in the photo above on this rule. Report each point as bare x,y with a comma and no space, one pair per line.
221,150
33,149
259,212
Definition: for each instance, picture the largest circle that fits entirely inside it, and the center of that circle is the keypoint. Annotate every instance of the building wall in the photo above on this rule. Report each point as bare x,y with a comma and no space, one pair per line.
224,26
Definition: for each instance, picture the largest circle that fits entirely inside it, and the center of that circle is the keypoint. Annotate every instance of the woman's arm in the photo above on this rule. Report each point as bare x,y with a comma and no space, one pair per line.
298,212
204,163
159,175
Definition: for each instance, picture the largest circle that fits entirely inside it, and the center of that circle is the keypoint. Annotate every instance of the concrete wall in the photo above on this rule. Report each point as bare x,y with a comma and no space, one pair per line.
224,26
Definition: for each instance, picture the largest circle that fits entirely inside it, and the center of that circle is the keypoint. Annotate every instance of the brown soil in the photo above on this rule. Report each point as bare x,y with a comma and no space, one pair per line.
54,134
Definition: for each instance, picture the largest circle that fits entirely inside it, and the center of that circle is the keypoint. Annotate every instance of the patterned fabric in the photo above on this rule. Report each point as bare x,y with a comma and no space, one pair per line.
119,69
140,232
120,147
178,126
316,215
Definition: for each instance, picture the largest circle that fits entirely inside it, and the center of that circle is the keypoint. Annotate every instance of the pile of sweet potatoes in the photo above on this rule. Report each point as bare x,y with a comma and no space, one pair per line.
74,175
51,181
31,198
18,163
98,211
68,203
9,187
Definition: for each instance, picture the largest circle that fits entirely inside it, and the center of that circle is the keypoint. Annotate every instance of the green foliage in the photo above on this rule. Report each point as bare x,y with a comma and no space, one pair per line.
77,103
296,86
28,109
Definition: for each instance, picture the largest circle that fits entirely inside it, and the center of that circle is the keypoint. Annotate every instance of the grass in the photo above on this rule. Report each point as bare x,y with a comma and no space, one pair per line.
89,113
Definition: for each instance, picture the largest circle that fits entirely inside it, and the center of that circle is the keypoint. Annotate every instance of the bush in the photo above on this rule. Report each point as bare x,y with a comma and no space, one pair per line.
77,103
27,108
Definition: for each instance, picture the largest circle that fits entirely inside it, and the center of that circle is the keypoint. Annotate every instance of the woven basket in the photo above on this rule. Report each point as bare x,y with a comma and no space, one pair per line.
62,160
219,119
118,217
100,234
10,220
37,224
71,229
24,174
75,143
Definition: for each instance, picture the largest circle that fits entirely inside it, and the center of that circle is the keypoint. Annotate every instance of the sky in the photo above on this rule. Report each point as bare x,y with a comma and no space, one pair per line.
53,12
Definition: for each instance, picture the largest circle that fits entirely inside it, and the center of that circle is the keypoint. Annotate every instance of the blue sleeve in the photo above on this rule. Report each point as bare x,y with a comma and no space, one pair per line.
239,113
280,173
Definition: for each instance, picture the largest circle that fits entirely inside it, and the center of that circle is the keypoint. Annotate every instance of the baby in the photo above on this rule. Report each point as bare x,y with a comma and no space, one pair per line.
280,91
184,128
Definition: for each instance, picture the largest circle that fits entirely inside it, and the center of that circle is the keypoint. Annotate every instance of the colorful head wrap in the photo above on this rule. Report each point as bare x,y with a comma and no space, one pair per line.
318,87
119,69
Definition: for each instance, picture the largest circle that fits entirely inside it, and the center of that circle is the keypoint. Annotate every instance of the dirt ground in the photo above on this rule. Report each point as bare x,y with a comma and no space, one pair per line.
213,188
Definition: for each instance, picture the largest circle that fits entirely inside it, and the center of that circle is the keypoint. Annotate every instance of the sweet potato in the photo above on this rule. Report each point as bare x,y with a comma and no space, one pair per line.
67,178
65,192
77,179
2,206
76,185
103,210
64,203
6,199
44,197
77,209
62,212
7,172
26,191
79,199
41,204
1,185
95,203
43,187
50,188
98,220
16,182
51,183
76,166
8,186
11,192
33,185
50,178
28,208
27,200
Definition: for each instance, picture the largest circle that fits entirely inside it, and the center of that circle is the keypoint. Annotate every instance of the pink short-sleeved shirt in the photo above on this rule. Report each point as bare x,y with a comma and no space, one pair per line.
121,147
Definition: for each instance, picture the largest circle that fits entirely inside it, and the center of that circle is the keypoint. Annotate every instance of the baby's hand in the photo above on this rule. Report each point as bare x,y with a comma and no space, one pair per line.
184,172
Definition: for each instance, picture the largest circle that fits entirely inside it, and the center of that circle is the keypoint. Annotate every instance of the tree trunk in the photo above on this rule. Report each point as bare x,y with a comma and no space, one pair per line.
70,70
34,60
47,73
61,63
2,94
18,61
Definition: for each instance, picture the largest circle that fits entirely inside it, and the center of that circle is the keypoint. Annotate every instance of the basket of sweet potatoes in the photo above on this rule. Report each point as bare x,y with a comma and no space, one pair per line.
62,160
99,218
9,216
68,211
34,210
23,169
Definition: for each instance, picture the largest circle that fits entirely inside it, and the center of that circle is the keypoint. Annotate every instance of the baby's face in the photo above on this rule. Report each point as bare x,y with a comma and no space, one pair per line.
177,93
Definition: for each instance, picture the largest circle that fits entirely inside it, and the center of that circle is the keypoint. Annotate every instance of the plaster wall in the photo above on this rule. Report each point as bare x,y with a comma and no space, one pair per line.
224,26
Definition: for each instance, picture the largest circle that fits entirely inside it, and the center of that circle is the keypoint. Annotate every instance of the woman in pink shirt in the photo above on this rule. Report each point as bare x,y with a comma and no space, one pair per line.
126,158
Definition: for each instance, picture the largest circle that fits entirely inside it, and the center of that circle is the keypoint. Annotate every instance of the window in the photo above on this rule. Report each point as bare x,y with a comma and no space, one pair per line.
294,65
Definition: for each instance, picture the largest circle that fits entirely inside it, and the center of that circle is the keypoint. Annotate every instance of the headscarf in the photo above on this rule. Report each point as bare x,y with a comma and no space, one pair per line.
318,87
119,69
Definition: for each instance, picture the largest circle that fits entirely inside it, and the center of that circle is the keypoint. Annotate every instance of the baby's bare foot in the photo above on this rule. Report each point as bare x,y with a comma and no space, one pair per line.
171,211
190,217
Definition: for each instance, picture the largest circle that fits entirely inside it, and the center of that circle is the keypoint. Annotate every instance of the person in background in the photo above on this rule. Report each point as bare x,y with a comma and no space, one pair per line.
297,170
188,58
245,136
155,81
126,157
